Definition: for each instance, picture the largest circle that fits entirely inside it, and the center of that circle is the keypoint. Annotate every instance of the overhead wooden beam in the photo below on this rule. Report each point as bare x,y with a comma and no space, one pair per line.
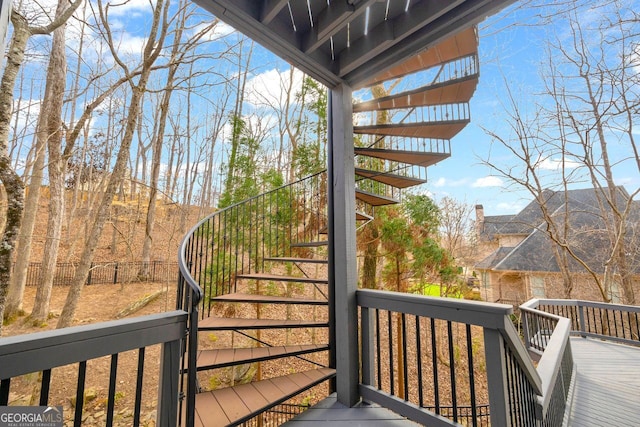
391,32
333,19
281,39
270,9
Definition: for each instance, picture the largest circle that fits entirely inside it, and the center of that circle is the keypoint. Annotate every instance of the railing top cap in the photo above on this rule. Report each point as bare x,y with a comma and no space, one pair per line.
440,302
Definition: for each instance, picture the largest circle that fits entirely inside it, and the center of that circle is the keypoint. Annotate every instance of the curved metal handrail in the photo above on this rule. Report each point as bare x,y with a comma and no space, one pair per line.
195,256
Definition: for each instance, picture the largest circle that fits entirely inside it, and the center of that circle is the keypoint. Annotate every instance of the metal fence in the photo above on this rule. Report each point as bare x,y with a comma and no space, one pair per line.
109,272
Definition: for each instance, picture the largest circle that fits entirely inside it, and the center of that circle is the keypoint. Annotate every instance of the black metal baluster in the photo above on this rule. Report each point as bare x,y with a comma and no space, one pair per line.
241,225
45,385
378,350
391,359
405,367
233,269
452,372
4,391
472,382
82,373
138,403
111,397
434,361
419,362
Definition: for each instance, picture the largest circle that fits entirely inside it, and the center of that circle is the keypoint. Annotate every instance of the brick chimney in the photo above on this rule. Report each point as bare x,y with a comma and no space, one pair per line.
479,221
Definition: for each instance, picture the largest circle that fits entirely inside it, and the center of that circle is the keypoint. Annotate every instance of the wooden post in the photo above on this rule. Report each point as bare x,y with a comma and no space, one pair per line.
496,377
167,413
342,245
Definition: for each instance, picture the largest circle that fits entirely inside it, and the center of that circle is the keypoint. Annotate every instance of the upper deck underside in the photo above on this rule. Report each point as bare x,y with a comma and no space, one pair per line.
349,41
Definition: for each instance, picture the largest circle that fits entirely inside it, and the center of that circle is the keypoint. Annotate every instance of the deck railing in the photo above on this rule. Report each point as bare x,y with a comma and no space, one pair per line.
428,358
615,322
238,239
44,352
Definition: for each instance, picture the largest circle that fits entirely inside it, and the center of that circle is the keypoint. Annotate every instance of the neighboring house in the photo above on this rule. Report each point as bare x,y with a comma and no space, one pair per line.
521,260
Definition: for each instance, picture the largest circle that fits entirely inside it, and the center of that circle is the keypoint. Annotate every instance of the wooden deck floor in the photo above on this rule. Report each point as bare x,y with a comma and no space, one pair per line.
607,384
330,412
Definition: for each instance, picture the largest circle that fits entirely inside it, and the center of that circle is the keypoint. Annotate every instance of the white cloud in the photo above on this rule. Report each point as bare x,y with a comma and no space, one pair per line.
130,45
271,87
556,164
130,8
440,182
444,182
487,181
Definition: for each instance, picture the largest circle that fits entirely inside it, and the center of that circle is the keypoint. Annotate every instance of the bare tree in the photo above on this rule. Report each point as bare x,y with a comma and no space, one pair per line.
179,52
152,49
590,99
13,185
455,226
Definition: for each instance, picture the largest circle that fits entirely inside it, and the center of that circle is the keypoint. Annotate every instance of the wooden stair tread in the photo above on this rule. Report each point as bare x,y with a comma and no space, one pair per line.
297,260
310,244
463,44
449,92
278,278
442,129
418,158
234,405
388,178
220,358
230,324
375,199
266,299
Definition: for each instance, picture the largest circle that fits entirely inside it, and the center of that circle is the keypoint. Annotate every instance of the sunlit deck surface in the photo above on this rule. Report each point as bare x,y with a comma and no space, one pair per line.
607,384
330,412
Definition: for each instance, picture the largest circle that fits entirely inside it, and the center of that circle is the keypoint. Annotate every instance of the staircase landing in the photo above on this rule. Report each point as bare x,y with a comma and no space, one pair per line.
330,412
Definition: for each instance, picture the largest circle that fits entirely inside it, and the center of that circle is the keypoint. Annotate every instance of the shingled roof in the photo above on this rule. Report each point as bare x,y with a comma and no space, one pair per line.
588,237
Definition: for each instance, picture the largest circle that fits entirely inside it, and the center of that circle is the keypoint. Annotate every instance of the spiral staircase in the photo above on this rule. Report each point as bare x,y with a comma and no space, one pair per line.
262,319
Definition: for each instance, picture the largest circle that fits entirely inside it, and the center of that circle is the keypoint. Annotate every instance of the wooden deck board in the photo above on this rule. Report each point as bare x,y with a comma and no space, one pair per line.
230,405
607,385
374,199
218,358
298,260
266,299
450,92
207,404
418,158
277,278
233,406
330,412
227,324
445,129
253,399
462,44
394,180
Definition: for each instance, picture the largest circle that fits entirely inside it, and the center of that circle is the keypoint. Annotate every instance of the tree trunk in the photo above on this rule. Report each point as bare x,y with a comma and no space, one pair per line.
157,147
52,132
12,183
25,237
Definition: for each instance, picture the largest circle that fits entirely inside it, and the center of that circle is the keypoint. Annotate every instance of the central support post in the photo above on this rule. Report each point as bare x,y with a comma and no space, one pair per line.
343,274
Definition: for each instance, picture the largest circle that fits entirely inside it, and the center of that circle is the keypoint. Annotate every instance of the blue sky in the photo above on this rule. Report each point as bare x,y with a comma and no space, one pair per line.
511,51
